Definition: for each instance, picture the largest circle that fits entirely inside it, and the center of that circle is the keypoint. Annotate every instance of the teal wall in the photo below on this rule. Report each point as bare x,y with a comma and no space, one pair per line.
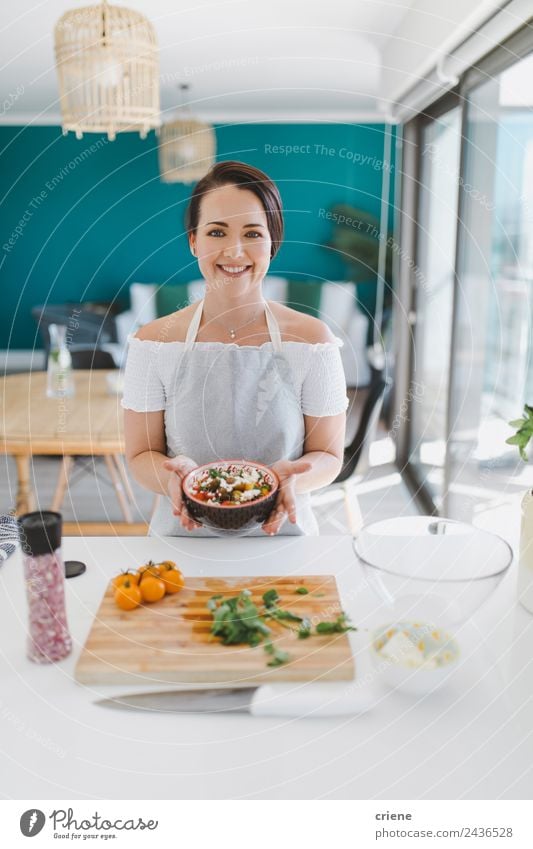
86,218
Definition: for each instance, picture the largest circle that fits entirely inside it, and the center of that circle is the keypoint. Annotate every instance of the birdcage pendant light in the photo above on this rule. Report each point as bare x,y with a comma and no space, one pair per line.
187,146
108,68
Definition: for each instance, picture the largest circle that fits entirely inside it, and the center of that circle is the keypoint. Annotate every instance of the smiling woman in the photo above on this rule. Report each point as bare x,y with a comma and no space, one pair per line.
235,376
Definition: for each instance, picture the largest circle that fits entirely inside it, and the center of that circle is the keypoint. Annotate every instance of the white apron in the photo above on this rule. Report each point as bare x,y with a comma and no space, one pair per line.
233,402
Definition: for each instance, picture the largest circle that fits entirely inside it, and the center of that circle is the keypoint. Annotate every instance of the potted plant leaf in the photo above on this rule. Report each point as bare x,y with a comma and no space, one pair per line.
356,238
524,432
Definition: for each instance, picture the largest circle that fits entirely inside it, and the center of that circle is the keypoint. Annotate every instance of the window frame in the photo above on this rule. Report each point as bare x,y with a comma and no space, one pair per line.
503,56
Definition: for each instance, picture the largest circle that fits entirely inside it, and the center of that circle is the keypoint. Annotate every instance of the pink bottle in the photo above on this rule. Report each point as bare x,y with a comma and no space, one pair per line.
44,573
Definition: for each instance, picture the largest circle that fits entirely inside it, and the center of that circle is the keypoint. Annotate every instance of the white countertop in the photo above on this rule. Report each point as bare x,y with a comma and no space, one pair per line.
472,739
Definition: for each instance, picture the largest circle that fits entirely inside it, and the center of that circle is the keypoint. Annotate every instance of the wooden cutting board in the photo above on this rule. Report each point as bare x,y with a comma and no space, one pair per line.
169,642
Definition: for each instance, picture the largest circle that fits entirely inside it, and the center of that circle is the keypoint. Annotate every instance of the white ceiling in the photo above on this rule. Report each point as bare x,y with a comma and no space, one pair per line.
271,60
276,59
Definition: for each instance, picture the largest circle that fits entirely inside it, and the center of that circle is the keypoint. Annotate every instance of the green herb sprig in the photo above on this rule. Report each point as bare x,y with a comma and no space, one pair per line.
238,621
339,626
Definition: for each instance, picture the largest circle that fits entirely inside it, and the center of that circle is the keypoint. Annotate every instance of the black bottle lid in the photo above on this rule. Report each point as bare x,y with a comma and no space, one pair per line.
40,532
73,568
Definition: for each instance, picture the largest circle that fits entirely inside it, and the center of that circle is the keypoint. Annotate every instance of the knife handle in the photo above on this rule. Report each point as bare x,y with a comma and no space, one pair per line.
311,700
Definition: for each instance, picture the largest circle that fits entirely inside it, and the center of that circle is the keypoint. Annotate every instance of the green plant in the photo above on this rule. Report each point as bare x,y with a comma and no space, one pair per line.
356,236
524,431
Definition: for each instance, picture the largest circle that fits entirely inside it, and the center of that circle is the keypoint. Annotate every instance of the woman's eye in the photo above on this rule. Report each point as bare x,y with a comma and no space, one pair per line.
254,233
216,233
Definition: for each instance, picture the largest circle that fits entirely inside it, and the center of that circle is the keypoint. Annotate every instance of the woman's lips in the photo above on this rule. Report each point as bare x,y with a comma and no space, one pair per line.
229,271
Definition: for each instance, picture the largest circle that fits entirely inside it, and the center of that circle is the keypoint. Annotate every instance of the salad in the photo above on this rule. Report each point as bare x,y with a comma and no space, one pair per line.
231,485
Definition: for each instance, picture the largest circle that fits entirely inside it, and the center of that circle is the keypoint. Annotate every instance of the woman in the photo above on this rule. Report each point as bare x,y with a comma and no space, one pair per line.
234,375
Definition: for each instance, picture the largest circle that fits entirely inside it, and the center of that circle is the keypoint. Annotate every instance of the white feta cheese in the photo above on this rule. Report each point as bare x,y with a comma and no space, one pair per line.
401,649
249,494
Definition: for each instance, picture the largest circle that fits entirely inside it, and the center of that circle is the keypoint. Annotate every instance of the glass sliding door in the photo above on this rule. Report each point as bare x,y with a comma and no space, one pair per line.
433,278
491,365
471,286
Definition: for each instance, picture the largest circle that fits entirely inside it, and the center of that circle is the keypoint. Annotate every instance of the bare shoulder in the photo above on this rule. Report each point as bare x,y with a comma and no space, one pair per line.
297,326
168,328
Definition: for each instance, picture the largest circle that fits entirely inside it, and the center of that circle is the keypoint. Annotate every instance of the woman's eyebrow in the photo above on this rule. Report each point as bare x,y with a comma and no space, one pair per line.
223,224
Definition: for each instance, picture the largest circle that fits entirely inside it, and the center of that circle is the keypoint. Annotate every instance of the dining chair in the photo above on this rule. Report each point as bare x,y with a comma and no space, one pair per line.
91,358
95,358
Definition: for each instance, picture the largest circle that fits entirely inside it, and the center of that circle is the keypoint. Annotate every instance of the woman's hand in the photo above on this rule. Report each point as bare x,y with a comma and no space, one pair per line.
286,471
180,466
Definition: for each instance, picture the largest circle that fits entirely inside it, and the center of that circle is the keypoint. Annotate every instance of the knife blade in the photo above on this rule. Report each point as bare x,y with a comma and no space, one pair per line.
186,701
288,700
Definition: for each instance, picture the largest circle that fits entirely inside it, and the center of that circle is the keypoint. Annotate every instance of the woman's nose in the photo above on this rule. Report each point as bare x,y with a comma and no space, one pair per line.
234,250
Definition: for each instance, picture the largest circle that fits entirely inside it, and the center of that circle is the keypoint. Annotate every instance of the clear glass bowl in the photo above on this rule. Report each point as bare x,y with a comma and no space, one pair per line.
431,575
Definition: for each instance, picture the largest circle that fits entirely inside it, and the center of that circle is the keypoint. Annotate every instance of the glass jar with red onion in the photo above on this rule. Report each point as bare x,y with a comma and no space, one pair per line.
49,639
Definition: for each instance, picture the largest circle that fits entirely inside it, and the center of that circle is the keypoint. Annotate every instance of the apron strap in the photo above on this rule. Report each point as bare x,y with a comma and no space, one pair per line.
273,328
192,330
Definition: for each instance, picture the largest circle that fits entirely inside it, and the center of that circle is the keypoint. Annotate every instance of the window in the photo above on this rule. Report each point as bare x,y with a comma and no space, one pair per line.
492,374
434,282
471,370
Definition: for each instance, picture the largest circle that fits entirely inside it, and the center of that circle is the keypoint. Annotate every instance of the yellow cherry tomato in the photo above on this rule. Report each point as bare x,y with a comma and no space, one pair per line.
167,564
128,596
152,588
149,568
119,580
173,580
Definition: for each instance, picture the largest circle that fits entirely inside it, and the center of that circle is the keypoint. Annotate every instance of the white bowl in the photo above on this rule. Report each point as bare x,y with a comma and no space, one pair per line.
404,667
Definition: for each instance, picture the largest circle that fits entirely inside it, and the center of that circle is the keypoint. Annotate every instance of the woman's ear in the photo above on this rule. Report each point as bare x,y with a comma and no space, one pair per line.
192,244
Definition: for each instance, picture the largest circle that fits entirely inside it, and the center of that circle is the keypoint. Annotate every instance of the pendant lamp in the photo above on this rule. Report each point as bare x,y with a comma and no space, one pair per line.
187,147
108,68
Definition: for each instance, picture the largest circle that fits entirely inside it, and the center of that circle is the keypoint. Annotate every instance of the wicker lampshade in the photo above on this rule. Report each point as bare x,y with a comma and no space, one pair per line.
108,68
187,149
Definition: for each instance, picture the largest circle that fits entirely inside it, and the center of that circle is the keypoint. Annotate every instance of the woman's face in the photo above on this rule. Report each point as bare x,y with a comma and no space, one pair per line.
232,242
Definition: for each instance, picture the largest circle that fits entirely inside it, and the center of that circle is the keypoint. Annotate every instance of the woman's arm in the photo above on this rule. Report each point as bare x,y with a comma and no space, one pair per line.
146,449
146,454
324,434
324,449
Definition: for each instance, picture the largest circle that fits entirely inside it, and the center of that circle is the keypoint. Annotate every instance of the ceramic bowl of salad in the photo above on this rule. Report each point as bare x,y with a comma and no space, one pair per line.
231,495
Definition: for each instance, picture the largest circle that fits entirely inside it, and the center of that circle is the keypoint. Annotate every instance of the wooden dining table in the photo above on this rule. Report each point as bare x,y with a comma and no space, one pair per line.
89,423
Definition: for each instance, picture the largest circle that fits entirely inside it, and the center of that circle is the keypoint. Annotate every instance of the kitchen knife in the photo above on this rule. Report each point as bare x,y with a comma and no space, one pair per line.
289,700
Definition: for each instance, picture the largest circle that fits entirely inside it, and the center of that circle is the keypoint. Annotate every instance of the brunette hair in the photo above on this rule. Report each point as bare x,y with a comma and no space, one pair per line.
243,176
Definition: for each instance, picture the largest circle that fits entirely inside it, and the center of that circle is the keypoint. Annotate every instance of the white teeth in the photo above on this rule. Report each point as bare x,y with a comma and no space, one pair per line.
234,270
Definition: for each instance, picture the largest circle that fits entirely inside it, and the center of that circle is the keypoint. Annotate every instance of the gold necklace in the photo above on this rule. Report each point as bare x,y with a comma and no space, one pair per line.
233,330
